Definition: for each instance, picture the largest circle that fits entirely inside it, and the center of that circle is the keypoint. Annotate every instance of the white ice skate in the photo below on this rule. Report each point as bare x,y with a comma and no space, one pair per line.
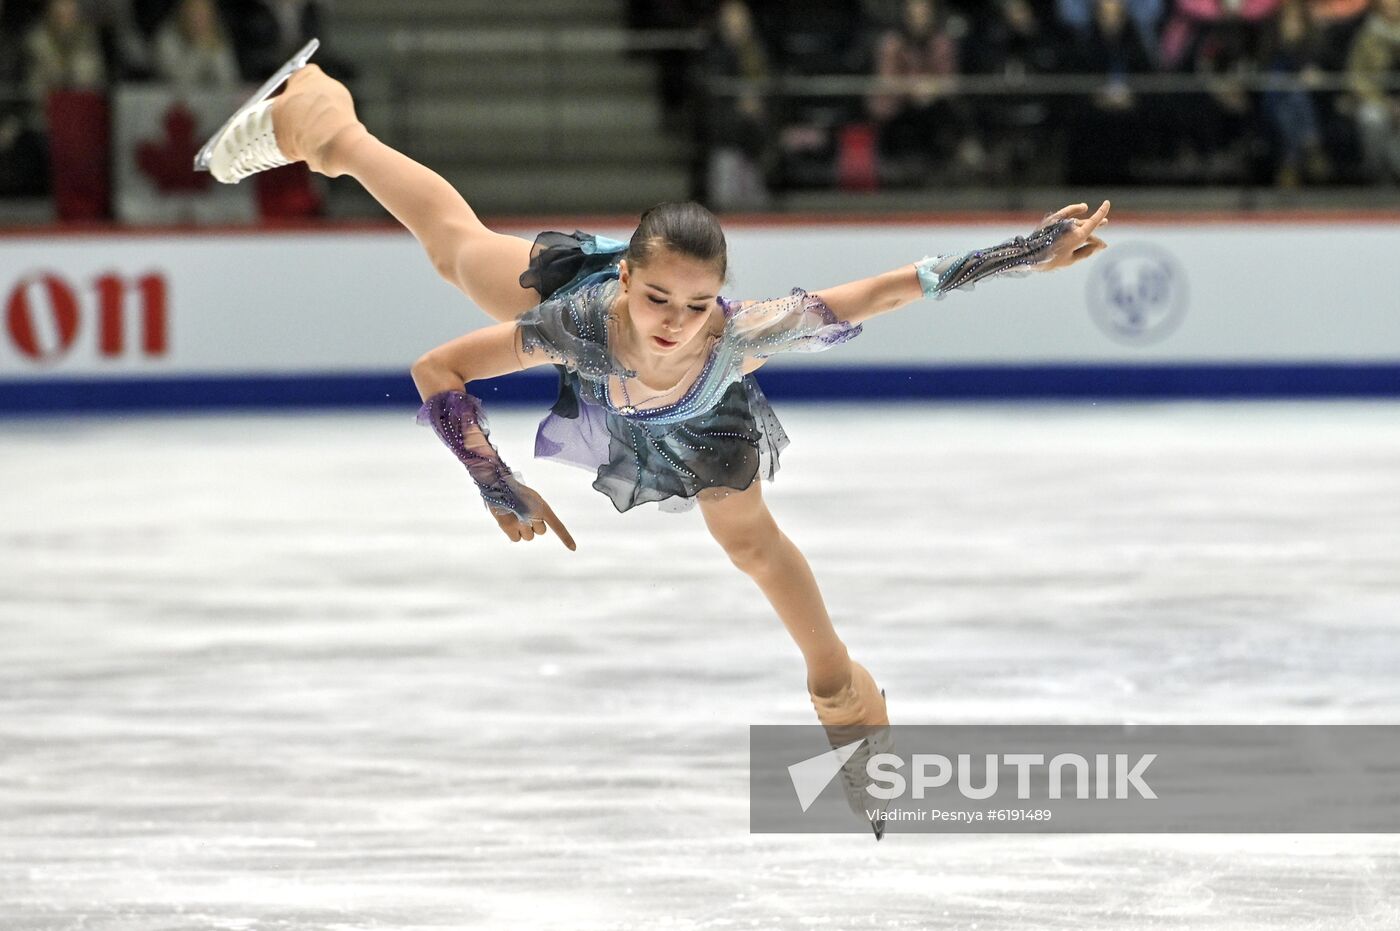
245,145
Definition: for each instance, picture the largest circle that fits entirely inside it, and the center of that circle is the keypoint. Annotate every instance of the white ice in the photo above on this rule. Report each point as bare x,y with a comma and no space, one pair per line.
283,672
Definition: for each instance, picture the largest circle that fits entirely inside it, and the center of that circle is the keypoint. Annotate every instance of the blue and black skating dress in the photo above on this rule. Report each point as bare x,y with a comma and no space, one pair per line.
720,433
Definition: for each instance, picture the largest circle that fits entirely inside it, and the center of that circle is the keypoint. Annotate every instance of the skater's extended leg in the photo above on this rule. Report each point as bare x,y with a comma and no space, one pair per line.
742,524
314,120
849,705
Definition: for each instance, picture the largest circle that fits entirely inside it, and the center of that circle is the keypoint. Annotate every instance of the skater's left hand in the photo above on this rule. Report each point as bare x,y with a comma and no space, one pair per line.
537,519
1080,242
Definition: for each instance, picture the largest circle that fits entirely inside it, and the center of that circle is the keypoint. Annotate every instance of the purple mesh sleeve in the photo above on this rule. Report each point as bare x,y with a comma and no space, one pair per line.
459,421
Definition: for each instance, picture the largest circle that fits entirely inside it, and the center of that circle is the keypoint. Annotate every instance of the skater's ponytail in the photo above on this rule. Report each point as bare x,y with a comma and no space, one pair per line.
686,228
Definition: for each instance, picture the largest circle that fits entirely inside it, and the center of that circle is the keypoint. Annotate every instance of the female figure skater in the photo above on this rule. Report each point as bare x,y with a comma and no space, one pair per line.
656,396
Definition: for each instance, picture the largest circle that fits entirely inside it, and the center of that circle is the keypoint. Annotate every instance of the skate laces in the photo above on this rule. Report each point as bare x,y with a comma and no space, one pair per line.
248,147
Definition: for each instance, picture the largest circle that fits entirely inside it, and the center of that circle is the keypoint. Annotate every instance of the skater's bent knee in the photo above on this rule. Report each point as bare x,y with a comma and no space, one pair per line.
756,552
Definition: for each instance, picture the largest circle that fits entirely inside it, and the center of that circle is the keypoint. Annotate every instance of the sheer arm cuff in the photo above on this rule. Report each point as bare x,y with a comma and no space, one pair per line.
459,421
943,273
800,322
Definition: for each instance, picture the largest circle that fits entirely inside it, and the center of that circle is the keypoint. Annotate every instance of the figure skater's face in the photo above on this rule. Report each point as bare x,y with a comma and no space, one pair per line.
670,300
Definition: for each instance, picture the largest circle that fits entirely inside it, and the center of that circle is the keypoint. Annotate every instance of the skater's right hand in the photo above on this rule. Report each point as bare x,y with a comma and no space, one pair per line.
539,517
1078,242
314,120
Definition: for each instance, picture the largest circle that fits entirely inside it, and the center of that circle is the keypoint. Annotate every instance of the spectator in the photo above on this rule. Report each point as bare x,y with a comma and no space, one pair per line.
123,44
192,50
23,159
1110,130
1016,45
1336,22
1375,58
1293,50
1218,130
674,66
1145,14
917,126
1194,20
63,51
1336,10
9,55
268,32
67,80
737,126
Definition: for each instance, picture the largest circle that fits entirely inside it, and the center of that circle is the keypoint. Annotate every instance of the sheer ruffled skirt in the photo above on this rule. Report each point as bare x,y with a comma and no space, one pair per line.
635,462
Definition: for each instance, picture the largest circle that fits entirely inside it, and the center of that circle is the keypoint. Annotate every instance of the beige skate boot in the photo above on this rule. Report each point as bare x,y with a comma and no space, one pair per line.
857,711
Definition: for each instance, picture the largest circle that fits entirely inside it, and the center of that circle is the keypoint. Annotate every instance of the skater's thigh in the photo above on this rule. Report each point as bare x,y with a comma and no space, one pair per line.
738,520
488,268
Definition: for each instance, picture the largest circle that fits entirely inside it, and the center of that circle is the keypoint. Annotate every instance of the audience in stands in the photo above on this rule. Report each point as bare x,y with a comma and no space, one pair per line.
1235,25
268,32
63,51
124,45
23,160
191,49
1293,52
1146,16
1291,92
931,124
737,130
1019,44
1016,42
11,73
1109,131
675,67
1336,22
1219,41
1375,57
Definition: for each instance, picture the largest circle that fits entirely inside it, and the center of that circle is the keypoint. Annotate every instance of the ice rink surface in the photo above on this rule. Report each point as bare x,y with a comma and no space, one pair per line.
283,672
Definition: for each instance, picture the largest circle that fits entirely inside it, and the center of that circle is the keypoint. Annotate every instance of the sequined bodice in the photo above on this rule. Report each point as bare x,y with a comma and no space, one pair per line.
634,395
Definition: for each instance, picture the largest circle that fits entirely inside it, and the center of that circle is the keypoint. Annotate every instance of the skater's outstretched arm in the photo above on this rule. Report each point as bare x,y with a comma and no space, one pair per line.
1063,238
315,120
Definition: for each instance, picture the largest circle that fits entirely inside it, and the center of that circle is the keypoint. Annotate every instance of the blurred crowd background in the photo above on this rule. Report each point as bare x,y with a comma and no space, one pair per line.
538,105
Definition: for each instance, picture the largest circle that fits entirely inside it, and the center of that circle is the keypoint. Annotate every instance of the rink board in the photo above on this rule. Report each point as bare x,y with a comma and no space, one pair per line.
195,319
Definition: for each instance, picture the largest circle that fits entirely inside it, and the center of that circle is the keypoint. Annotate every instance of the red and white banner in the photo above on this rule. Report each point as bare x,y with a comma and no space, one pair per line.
158,130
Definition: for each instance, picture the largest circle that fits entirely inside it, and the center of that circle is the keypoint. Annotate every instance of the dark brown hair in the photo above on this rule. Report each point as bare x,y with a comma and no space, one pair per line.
686,228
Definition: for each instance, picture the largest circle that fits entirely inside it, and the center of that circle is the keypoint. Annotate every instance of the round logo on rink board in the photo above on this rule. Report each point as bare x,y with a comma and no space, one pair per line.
1138,293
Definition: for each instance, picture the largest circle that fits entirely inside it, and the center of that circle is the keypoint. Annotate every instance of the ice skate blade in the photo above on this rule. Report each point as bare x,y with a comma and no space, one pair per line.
293,65
878,825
